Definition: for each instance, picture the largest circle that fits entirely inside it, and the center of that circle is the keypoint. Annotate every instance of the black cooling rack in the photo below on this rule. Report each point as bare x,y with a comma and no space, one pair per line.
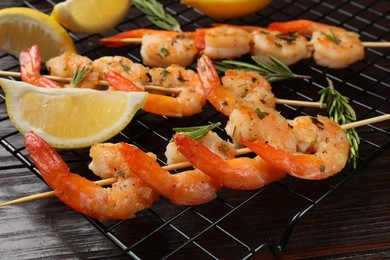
210,230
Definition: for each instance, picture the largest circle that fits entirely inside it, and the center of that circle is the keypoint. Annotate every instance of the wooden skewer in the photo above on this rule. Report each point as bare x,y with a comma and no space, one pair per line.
376,44
186,164
101,82
172,91
139,41
299,103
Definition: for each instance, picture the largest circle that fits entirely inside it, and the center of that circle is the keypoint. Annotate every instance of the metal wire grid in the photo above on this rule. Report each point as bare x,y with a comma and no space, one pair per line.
227,226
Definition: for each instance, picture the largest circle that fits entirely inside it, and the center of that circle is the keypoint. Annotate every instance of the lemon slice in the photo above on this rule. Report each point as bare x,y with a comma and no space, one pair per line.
22,27
91,16
227,9
71,117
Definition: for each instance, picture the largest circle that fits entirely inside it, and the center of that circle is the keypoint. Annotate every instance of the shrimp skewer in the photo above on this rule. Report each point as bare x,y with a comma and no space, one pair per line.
310,148
189,98
219,42
130,194
283,40
126,197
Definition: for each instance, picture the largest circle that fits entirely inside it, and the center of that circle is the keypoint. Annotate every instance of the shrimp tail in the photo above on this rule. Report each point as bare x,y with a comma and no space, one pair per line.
120,83
46,159
30,66
304,166
70,188
147,169
221,99
238,173
120,38
303,27
198,155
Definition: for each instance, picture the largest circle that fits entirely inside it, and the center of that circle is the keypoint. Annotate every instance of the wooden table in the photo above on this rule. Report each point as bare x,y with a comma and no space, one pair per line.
353,222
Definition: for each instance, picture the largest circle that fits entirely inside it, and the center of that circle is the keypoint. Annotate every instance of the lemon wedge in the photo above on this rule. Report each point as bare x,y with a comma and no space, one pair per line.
72,117
22,27
91,16
227,9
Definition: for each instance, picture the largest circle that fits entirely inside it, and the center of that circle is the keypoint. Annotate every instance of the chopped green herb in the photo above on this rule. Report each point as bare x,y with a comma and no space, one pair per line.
124,66
164,73
80,75
331,36
197,132
181,78
164,52
288,37
260,113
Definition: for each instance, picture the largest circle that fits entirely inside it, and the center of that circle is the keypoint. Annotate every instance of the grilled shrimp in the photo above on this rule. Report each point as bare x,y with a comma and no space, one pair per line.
262,123
135,72
287,47
188,102
241,173
30,68
126,197
160,48
223,42
334,47
165,50
190,187
211,140
322,149
67,64
238,88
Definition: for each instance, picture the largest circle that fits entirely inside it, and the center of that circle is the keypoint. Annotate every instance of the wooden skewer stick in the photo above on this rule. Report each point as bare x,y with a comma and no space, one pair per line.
376,44
186,164
172,91
139,41
101,82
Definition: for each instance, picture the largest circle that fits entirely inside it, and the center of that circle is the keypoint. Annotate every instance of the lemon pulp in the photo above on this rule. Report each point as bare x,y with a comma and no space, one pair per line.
72,117
22,27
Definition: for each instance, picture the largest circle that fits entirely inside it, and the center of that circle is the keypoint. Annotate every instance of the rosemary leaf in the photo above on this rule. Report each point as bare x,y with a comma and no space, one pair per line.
197,132
272,72
332,37
80,75
155,12
339,109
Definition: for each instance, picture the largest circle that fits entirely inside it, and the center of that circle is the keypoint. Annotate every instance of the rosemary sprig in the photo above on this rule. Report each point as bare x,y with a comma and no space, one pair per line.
155,12
339,109
332,37
197,132
272,72
80,75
